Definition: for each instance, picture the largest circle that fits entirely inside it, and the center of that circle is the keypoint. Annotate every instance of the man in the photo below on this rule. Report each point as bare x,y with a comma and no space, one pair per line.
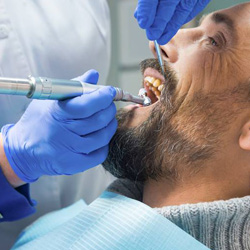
190,149
193,145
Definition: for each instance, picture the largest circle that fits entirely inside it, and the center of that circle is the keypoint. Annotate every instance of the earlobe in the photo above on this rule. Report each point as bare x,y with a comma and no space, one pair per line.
244,140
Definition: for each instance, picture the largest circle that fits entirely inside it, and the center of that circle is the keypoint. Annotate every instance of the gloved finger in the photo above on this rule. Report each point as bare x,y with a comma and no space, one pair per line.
93,123
164,13
145,13
201,4
182,11
91,76
85,105
98,139
135,13
83,162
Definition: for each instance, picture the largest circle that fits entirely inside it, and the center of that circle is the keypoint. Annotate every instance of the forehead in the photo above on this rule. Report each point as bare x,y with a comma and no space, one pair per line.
237,15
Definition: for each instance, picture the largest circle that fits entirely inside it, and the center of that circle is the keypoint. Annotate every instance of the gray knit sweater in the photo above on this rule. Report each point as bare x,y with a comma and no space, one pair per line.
220,225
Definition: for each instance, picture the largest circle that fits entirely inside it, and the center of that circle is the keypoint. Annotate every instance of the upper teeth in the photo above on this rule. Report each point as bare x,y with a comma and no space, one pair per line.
154,85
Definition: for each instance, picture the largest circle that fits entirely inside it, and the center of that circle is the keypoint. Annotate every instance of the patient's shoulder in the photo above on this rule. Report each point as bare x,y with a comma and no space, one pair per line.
127,188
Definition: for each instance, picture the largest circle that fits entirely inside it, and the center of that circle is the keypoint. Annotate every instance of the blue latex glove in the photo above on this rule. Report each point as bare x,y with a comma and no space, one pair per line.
62,137
163,18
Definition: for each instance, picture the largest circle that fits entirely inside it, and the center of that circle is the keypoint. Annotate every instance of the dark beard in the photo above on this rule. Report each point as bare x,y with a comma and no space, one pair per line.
132,150
154,149
175,138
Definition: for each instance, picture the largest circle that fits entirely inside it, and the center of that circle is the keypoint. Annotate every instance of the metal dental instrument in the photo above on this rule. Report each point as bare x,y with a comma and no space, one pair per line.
159,55
143,94
56,89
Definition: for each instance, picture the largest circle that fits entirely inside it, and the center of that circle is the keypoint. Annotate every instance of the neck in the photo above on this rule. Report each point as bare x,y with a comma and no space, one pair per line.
214,182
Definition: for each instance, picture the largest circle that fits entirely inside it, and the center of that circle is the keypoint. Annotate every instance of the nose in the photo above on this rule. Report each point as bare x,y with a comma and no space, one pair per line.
169,51
183,39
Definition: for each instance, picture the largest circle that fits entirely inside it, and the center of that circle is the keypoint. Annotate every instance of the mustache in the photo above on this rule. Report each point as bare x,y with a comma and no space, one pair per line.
152,63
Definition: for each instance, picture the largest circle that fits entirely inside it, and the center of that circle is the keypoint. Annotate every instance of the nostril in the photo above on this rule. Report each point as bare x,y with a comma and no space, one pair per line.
164,53
169,53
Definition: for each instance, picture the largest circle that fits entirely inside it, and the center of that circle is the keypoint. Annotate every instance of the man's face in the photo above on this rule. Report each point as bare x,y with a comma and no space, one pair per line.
206,87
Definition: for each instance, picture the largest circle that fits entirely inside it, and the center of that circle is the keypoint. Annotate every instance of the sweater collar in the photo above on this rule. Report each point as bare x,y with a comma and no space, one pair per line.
220,225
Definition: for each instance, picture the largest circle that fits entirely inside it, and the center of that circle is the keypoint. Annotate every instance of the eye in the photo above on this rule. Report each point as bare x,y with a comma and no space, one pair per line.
213,42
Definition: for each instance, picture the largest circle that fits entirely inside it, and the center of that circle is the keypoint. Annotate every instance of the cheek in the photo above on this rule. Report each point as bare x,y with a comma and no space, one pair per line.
199,69
220,72
191,70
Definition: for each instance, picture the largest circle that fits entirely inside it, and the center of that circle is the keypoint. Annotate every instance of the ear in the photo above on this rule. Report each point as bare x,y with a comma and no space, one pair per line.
244,140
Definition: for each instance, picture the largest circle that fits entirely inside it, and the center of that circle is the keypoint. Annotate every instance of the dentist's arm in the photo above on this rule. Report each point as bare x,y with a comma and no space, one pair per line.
6,169
163,18
57,138
15,202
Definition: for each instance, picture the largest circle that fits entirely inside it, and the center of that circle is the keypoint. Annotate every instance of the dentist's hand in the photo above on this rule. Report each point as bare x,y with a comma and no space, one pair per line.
62,137
163,18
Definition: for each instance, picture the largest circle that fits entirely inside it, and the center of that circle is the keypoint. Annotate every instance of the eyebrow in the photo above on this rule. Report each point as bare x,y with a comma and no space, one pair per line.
224,19
221,18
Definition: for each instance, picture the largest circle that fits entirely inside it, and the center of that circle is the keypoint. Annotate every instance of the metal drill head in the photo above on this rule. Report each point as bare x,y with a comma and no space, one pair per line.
147,101
142,92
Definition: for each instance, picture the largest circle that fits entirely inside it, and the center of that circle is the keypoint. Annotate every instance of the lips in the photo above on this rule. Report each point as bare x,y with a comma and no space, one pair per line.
153,83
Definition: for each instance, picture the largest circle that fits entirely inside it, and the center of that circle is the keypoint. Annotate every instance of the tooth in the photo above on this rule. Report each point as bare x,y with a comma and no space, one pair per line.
157,83
157,93
150,79
160,88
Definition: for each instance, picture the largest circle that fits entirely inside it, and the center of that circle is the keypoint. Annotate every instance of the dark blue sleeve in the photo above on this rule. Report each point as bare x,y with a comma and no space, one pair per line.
15,203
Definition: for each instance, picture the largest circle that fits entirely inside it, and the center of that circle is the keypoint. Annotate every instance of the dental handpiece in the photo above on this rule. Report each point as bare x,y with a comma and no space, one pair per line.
59,89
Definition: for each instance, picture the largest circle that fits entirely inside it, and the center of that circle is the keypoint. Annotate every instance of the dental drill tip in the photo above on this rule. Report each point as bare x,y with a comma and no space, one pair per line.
147,101
142,92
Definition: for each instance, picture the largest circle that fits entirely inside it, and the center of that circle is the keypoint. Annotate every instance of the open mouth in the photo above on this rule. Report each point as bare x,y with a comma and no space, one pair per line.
153,83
